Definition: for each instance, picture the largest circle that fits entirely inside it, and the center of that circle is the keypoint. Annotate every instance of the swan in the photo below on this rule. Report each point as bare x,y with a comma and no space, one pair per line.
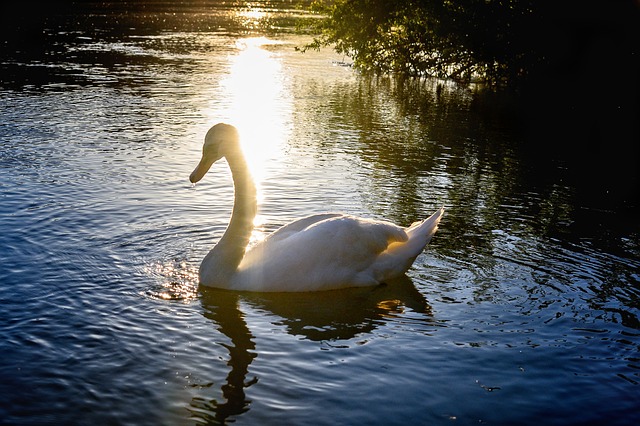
319,252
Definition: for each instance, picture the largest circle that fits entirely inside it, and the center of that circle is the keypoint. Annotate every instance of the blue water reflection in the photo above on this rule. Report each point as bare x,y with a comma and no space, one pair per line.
523,310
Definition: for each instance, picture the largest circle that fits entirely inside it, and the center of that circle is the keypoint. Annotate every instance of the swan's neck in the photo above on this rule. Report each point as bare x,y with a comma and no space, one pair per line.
222,261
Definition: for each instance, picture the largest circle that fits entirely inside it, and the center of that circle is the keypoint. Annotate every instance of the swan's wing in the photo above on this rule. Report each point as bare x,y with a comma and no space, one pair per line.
398,257
280,243
340,232
298,225
319,252
359,237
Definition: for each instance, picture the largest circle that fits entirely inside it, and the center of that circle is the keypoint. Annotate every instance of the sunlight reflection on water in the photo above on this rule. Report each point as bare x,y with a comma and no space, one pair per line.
176,281
259,104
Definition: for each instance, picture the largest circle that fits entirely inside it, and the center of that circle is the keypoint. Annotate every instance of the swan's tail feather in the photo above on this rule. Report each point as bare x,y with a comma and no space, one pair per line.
399,257
426,228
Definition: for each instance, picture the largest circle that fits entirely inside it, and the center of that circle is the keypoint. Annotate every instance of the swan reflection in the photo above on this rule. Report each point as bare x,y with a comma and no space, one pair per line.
329,317
221,307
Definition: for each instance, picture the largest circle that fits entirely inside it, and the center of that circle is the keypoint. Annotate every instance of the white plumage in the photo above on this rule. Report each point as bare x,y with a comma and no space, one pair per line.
319,252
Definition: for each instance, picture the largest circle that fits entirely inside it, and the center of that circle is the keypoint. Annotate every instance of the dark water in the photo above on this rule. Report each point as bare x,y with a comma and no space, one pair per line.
523,309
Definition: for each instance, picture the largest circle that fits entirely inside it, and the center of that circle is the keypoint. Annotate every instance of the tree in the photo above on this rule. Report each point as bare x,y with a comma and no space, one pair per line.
496,41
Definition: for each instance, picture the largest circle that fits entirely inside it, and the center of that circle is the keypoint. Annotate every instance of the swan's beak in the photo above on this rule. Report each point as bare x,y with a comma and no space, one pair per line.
201,169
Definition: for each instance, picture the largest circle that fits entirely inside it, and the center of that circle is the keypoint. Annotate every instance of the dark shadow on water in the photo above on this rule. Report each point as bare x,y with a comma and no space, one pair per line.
336,315
340,314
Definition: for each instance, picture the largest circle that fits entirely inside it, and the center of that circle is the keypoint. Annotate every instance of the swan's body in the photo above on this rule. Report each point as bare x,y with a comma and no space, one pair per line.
319,252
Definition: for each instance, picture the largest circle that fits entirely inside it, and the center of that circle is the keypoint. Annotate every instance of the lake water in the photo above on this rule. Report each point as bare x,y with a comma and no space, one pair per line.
524,309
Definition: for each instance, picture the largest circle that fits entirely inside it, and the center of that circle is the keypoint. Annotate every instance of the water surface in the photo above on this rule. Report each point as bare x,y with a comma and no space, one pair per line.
523,309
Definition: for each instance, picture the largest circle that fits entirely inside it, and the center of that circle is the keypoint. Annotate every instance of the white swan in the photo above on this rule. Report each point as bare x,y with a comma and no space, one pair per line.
319,252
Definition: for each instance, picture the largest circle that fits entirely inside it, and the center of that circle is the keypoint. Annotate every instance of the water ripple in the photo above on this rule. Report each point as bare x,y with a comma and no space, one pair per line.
521,300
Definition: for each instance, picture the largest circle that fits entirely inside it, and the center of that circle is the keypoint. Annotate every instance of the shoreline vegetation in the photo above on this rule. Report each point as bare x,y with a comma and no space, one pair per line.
497,42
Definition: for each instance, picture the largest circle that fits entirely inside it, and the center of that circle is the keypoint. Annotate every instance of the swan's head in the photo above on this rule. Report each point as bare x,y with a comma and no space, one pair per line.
220,141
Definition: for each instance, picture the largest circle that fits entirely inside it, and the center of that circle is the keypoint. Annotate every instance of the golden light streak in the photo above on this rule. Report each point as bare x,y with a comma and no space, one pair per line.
259,104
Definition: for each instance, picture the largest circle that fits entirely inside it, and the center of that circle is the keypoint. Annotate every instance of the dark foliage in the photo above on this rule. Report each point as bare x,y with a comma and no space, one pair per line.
497,41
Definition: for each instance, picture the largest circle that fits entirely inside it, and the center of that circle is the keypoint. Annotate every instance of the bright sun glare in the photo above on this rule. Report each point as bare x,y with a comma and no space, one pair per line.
252,16
256,102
